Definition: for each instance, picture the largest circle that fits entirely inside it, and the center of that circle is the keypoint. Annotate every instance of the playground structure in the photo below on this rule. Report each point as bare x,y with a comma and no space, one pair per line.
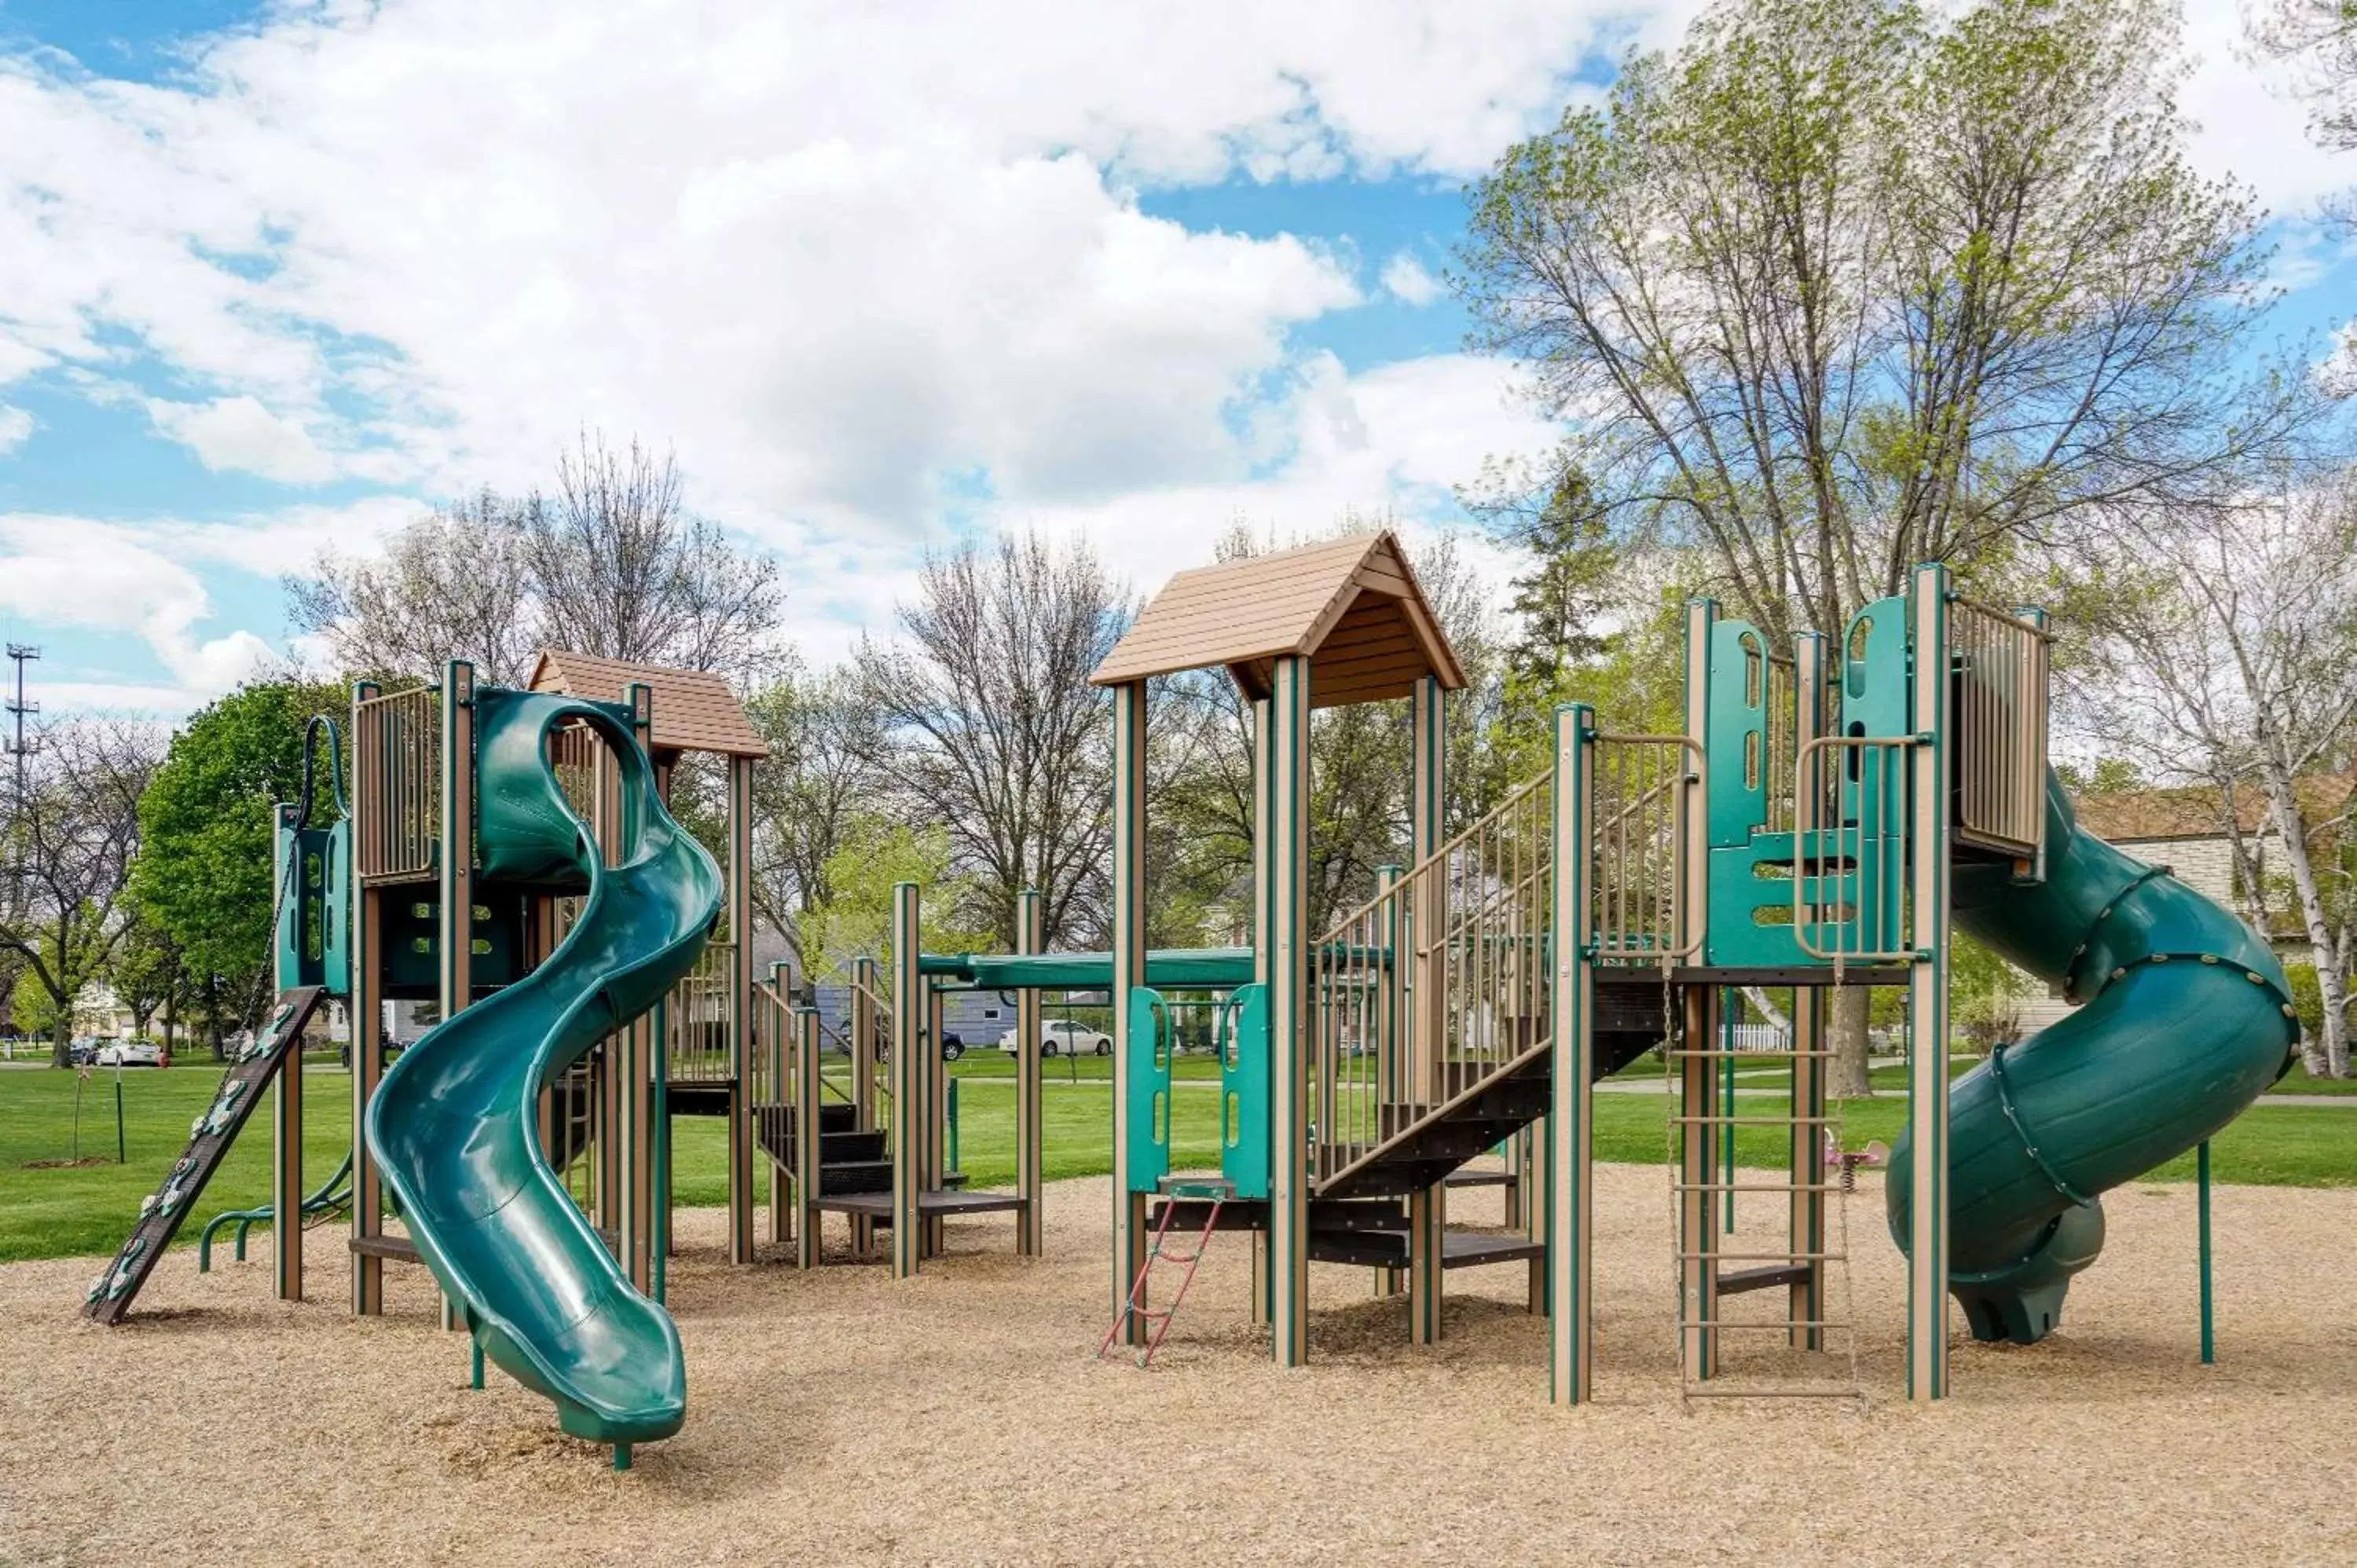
1823,818
587,962
1825,815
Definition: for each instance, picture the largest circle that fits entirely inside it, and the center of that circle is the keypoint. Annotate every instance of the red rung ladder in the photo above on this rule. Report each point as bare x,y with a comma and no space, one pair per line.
1135,1307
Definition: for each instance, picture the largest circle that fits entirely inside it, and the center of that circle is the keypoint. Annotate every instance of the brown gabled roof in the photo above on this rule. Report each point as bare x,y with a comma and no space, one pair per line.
693,709
2194,811
1351,606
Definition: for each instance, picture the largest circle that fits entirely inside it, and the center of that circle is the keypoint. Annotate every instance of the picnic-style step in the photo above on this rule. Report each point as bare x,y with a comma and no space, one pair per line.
210,1139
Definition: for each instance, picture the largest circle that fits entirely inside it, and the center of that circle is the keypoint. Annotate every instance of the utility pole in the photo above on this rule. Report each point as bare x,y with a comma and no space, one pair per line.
19,747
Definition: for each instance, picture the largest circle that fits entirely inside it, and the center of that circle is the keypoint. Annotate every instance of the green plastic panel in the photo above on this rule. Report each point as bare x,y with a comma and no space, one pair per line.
410,935
313,939
1242,1036
1150,1104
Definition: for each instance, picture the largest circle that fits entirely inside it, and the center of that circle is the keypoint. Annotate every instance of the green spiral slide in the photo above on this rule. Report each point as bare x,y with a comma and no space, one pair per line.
2183,1018
454,1125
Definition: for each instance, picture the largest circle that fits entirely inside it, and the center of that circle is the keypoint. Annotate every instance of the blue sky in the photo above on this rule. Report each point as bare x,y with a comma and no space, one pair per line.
273,277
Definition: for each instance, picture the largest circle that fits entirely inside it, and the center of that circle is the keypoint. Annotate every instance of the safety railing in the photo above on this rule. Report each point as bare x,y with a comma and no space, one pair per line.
1998,728
696,1016
397,773
1645,902
573,753
1849,874
1435,983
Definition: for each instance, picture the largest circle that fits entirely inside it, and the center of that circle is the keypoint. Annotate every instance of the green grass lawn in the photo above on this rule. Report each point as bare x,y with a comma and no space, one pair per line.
56,1212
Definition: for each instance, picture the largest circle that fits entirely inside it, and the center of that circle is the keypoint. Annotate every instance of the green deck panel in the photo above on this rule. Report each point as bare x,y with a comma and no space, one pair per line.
1148,1106
1241,1034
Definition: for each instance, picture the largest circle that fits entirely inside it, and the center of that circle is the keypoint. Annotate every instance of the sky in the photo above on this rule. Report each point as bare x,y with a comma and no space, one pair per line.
275,276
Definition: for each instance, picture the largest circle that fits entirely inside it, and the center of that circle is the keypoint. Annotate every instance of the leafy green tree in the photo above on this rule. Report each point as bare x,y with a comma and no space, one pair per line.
204,877
1842,285
854,920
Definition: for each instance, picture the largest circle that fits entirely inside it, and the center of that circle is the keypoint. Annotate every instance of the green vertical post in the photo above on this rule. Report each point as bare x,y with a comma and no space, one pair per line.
2201,1199
954,1125
474,1363
120,1157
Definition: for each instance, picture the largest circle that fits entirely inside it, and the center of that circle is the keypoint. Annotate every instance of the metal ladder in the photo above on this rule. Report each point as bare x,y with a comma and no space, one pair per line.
1134,1309
1825,1257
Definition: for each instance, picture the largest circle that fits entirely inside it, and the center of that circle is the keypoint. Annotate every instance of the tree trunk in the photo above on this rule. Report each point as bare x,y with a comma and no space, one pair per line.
1845,1035
1757,997
2326,1057
62,1047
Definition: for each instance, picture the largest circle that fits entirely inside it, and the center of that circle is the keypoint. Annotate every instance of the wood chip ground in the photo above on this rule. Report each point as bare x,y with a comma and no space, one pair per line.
839,1417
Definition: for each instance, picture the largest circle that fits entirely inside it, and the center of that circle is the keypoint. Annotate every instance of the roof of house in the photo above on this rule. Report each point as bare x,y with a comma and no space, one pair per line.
2194,811
1351,606
693,709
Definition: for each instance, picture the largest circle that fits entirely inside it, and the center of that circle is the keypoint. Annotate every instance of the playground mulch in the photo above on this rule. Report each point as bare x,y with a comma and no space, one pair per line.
840,1417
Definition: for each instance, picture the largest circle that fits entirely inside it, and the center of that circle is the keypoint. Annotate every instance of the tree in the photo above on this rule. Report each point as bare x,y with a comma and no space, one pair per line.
613,565
2319,39
821,774
855,919
69,847
456,584
149,975
621,569
205,877
1847,284
2230,656
992,732
1839,288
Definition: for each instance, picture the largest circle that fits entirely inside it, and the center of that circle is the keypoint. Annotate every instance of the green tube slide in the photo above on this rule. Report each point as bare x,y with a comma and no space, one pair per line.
454,1125
2183,1016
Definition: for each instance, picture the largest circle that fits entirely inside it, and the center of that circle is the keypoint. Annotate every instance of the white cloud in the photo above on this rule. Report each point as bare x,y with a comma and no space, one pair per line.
1392,441
15,428
1406,279
101,576
238,435
840,288
2250,126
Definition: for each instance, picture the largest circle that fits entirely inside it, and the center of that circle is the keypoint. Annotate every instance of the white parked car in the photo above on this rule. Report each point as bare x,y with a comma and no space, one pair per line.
1062,1037
130,1053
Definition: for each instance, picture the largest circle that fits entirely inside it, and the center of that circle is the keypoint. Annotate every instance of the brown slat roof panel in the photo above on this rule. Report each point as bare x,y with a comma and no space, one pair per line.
693,709
1359,590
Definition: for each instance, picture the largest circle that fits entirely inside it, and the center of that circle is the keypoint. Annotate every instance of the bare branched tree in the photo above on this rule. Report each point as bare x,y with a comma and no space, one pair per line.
620,568
822,776
994,731
2229,655
70,843
613,564
456,584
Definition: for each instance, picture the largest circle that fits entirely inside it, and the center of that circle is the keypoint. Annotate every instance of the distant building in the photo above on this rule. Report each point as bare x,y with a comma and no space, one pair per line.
2183,829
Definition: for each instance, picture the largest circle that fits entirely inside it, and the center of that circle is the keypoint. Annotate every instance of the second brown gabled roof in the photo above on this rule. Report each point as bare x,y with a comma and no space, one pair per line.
1350,606
693,709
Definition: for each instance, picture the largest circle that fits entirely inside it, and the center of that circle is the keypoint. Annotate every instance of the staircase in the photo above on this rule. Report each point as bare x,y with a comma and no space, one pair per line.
849,1160
210,1139
1486,1103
